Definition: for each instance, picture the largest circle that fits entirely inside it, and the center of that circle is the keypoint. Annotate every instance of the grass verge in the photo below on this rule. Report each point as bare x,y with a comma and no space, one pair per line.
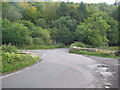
37,46
114,48
99,54
13,61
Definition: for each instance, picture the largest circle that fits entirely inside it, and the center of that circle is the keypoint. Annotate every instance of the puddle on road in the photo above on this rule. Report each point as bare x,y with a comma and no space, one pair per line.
98,65
102,65
106,74
106,86
102,69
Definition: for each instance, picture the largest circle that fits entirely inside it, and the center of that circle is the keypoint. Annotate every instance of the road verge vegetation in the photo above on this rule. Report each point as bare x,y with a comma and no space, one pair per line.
38,46
81,48
13,59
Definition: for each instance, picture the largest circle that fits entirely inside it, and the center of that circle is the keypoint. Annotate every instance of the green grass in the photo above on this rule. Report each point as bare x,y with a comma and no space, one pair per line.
114,48
99,54
12,61
37,46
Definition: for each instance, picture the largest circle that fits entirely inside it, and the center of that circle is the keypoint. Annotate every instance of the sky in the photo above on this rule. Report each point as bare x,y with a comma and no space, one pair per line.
92,1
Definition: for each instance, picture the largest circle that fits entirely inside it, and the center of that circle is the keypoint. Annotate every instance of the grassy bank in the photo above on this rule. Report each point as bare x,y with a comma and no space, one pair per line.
12,60
114,48
38,46
99,54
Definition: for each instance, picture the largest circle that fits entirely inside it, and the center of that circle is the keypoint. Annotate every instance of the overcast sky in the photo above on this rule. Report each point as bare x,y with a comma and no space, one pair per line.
92,1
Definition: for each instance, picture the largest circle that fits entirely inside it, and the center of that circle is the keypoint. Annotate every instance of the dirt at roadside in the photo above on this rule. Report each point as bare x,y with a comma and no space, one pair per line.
112,63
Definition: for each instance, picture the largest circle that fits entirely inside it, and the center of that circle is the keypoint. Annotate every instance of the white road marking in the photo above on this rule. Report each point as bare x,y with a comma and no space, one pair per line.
13,73
27,68
10,74
43,56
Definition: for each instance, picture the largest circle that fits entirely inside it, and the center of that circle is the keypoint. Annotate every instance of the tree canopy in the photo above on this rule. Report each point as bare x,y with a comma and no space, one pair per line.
60,22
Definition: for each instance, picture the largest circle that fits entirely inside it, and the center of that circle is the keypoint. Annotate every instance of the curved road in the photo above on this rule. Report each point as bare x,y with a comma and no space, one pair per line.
58,69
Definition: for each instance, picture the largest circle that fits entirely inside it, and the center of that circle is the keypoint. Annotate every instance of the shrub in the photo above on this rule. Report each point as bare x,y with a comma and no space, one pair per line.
16,34
103,47
40,46
27,24
28,40
41,22
41,35
93,31
99,54
9,48
12,61
38,40
80,44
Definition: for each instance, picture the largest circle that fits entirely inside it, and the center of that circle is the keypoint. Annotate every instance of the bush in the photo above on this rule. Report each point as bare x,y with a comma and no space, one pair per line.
103,47
27,24
28,40
12,61
99,54
93,31
38,40
41,35
41,22
40,46
9,48
80,44
15,33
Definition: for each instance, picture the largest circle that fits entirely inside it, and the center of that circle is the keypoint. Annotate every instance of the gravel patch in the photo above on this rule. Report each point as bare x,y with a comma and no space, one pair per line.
108,70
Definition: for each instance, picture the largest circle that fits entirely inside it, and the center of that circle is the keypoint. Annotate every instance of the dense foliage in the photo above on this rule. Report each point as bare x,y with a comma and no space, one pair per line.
9,48
45,23
93,31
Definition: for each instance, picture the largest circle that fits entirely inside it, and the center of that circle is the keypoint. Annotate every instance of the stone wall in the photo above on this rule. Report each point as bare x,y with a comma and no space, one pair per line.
91,49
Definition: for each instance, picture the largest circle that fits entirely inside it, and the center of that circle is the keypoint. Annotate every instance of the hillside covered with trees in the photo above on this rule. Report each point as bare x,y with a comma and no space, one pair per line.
47,23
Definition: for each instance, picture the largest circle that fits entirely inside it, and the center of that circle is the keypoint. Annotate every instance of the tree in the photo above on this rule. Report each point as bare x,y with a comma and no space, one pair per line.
28,12
10,12
83,12
63,30
72,11
66,21
27,24
63,22
62,9
41,23
41,34
62,35
50,10
115,14
15,33
93,31
112,34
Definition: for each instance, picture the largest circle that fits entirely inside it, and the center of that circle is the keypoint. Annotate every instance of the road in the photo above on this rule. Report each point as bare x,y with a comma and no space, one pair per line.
58,69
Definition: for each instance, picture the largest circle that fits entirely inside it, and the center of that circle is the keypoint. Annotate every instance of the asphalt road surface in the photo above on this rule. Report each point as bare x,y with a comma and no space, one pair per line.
58,69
